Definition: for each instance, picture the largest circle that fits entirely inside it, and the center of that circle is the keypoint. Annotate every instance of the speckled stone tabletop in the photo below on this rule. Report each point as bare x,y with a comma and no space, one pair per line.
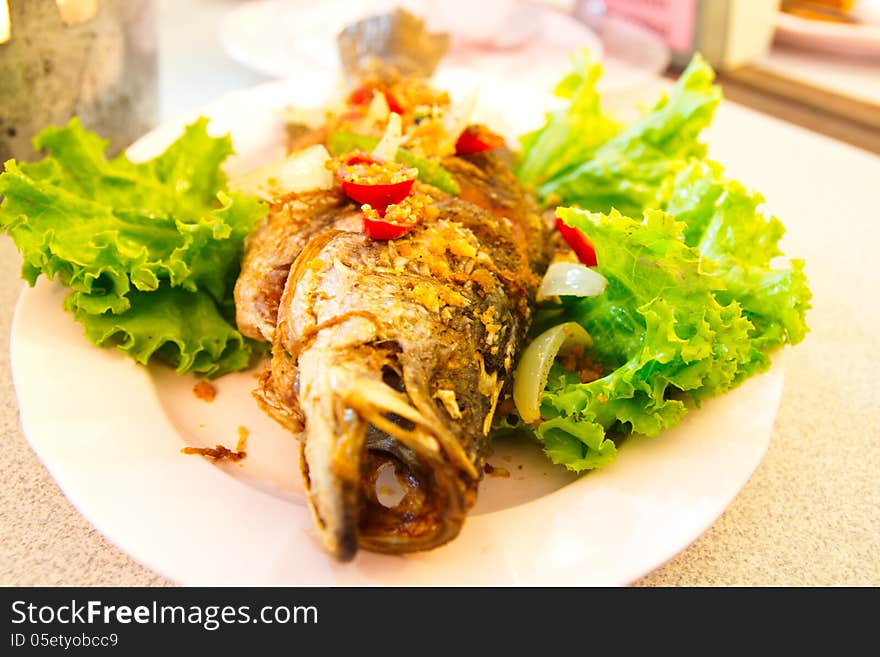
809,515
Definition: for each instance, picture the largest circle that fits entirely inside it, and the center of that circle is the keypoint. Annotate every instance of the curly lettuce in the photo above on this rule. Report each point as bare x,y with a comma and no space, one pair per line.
724,222
571,135
685,339
634,169
681,319
698,295
150,250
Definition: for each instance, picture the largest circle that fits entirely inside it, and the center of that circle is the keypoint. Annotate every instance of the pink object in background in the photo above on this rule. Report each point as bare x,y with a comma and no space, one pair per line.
728,33
674,20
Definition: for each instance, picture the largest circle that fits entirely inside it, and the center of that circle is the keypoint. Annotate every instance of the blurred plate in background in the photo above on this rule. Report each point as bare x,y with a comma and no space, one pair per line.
532,45
850,39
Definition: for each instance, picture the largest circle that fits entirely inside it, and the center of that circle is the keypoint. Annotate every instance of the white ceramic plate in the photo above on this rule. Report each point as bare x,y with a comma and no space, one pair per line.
852,40
110,432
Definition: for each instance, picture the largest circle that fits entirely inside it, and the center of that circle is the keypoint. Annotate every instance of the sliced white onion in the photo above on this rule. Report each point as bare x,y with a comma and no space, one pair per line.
378,110
459,116
571,279
386,149
531,373
306,170
301,171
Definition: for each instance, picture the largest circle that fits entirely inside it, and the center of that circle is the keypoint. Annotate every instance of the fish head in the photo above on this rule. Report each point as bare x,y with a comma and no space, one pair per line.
395,394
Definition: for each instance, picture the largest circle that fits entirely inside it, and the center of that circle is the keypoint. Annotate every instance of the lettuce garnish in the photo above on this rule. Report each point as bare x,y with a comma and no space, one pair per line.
150,251
634,169
697,298
572,134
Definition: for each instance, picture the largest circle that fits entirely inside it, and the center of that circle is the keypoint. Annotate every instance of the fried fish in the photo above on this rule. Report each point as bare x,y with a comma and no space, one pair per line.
390,356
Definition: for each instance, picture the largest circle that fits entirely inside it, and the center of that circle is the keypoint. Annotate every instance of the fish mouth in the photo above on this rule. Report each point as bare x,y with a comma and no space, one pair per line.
382,470
408,503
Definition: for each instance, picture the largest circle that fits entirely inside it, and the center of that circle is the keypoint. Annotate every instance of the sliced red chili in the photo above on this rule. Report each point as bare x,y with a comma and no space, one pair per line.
380,229
355,114
395,220
380,184
393,104
361,96
476,139
364,95
379,196
579,243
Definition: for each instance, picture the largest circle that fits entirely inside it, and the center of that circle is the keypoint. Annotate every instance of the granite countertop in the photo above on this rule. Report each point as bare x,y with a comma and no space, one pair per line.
810,514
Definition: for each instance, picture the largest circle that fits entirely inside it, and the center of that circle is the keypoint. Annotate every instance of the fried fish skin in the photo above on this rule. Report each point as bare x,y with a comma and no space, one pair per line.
273,246
394,354
397,353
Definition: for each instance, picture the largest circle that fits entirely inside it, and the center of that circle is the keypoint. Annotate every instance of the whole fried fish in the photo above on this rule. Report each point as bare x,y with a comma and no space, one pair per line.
390,356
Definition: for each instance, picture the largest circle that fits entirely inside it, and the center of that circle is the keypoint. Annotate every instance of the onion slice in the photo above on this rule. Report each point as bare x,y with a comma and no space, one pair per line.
378,110
531,373
301,171
571,279
459,116
386,149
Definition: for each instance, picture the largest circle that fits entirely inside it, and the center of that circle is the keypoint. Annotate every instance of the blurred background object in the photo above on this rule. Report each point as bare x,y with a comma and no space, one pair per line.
815,63
104,66
844,27
96,59
822,71
727,33
526,41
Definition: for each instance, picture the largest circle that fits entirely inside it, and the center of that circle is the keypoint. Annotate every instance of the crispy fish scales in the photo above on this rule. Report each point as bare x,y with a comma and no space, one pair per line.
390,357
398,352
273,247
394,354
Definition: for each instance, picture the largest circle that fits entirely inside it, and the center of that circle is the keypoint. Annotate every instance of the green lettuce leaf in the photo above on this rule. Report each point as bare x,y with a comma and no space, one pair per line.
698,295
183,329
114,230
724,223
570,135
674,325
680,339
636,169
